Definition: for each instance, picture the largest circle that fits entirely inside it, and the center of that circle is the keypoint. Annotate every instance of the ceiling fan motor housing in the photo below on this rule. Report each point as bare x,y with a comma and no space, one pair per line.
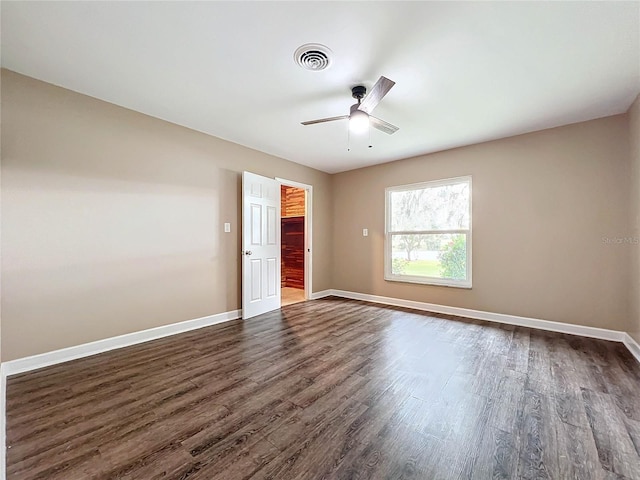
358,92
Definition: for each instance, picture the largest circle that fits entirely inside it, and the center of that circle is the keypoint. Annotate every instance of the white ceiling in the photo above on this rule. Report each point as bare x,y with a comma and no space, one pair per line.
464,72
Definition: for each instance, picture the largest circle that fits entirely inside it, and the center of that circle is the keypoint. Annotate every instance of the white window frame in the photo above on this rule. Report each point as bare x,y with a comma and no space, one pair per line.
447,282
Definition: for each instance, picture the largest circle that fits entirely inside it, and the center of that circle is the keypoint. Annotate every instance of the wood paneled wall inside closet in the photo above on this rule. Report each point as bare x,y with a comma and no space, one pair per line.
293,212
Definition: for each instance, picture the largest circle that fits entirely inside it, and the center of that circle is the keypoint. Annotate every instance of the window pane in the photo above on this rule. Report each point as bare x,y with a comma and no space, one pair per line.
431,208
435,255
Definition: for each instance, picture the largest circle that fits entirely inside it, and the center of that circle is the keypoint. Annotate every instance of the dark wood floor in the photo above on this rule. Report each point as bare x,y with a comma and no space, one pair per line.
334,388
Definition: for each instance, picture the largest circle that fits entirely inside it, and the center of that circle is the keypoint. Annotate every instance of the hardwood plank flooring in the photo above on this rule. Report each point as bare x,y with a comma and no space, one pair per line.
334,389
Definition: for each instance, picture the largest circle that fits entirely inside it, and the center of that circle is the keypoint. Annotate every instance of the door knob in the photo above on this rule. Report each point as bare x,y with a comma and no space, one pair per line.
248,252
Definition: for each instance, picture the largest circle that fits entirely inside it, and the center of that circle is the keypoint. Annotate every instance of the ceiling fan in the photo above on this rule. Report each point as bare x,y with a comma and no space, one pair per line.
360,113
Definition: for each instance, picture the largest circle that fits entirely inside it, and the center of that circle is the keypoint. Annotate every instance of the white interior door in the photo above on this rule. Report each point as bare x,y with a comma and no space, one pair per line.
260,244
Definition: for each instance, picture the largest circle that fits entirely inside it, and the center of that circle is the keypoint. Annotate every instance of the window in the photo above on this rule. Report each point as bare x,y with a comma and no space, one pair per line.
428,233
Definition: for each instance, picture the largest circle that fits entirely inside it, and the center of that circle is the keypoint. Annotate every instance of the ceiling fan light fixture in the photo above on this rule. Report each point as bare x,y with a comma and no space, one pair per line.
360,118
358,122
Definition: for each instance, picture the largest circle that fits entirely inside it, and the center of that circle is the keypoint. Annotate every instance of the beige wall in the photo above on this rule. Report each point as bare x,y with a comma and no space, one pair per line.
542,203
1,391
112,221
634,138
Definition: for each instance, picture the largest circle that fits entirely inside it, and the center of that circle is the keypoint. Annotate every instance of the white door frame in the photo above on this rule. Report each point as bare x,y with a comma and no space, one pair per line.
308,230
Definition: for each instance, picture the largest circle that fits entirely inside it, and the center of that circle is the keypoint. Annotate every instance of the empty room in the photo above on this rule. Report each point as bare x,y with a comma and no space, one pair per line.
319,240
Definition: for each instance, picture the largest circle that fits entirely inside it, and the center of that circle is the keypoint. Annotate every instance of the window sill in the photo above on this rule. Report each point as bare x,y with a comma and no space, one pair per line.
428,281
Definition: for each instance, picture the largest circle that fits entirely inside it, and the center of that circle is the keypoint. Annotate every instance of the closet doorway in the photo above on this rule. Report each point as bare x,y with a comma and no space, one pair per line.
295,241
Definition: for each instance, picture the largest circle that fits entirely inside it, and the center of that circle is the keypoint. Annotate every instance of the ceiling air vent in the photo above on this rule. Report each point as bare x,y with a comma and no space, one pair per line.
313,56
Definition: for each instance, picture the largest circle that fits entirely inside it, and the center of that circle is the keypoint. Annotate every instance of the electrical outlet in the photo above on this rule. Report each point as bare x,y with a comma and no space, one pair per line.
227,227
365,232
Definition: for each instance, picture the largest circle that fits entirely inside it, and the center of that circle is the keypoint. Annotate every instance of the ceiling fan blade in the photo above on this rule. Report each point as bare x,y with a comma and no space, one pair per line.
323,120
383,126
377,93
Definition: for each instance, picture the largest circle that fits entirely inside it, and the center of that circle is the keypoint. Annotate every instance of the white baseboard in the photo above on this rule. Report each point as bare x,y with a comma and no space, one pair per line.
3,422
321,294
548,325
632,346
34,362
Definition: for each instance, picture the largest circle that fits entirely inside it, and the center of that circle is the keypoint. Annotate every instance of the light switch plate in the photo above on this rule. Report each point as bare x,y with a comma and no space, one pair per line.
227,227
365,232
